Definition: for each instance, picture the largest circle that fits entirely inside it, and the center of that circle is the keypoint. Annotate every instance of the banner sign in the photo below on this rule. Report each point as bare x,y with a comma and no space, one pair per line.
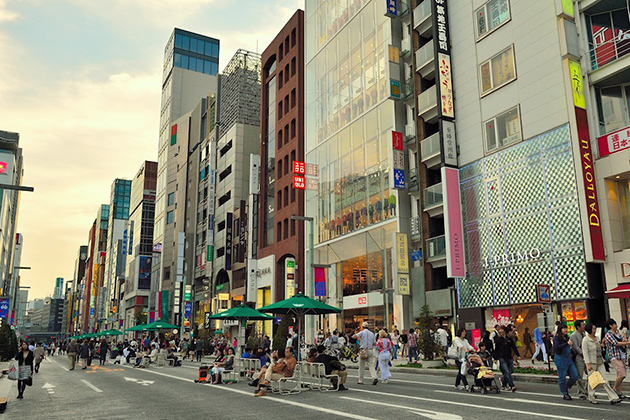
164,305
449,143
440,23
320,281
228,241
392,8
453,226
187,309
447,108
614,142
401,269
4,308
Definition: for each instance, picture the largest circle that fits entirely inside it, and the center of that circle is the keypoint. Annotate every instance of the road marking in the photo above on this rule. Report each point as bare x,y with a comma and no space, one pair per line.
434,415
481,407
278,400
48,386
59,364
521,400
91,386
139,381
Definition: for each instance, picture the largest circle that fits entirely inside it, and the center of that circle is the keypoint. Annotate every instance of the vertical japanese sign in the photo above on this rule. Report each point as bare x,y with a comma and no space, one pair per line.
289,273
587,162
164,305
449,143
392,8
228,241
403,286
453,226
4,308
398,162
446,86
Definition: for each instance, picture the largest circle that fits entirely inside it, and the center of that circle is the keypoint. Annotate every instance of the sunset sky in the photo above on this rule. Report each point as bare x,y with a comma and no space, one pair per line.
80,80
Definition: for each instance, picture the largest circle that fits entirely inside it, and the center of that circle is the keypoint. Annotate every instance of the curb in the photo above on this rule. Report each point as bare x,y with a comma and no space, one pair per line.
521,377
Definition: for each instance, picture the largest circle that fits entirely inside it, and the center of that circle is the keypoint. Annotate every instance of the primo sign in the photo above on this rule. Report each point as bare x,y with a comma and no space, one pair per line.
511,258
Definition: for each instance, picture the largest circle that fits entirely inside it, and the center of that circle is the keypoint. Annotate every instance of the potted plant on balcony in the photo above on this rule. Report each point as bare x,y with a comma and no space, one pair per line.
427,345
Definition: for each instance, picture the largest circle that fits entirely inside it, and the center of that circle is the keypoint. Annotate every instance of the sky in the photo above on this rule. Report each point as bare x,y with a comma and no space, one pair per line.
80,80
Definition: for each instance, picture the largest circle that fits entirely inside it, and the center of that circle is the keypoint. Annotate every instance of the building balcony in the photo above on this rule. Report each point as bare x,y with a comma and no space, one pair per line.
407,89
403,8
428,105
414,184
416,228
430,153
405,47
410,135
436,249
425,60
432,200
422,21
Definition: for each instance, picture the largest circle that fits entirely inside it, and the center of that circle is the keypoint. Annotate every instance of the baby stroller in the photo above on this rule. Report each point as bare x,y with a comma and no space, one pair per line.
484,378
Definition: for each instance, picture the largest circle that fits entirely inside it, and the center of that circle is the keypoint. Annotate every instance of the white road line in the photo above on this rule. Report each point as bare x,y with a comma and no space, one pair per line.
91,386
468,405
278,400
434,415
521,400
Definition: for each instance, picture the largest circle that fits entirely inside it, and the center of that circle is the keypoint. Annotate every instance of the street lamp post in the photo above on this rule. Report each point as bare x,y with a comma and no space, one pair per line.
311,274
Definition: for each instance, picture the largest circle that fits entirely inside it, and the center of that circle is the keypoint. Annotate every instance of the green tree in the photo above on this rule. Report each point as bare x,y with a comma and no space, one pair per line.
8,342
427,344
282,333
140,317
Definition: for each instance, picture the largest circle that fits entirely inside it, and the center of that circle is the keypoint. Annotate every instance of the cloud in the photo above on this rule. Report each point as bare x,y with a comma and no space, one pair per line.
6,15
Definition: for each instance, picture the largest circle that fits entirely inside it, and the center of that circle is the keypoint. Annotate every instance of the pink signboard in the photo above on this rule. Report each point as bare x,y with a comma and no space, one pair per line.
454,233
614,142
476,337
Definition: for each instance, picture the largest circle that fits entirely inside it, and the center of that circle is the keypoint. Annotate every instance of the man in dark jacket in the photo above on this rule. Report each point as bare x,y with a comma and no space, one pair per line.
504,346
332,367
72,350
84,354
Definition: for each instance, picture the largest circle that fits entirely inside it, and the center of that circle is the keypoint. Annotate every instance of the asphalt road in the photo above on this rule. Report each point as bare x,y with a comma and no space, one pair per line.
121,392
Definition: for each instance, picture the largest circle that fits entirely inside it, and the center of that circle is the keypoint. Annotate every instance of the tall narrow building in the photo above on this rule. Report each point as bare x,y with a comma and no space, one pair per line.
189,73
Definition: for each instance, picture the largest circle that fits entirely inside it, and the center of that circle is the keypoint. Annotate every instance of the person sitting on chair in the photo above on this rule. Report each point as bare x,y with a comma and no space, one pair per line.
333,367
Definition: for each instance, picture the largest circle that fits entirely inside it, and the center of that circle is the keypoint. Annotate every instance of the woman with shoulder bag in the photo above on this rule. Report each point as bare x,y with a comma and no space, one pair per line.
461,345
385,347
25,367
595,367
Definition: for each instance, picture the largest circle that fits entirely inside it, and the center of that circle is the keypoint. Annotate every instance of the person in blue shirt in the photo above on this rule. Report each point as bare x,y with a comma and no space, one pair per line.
564,363
247,354
540,345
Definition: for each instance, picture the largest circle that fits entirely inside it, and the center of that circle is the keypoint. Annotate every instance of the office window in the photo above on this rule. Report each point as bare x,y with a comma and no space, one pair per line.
613,106
185,60
225,173
226,148
185,42
171,199
498,71
193,44
292,227
503,130
178,41
170,217
279,232
491,15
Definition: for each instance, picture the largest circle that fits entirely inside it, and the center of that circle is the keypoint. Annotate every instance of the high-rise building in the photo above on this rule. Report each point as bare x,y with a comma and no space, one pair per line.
11,171
357,163
74,311
98,295
59,290
280,239
88,289
137,285
190,68
117,239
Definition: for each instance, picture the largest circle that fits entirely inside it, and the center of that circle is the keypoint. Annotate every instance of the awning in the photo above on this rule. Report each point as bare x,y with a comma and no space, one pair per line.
620,292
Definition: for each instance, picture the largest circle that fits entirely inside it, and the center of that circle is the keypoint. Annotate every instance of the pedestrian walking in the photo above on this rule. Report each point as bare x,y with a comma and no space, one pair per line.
199,349
505,349
540,345
102,352
615,351
25,366
594,361
412,340
72,353
578,358
385,348
527,343
442,335
38,355
367,353
84,354
395,337
462,347
564,363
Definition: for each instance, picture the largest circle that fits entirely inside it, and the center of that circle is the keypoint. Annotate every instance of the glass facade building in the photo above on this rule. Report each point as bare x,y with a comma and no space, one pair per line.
349,123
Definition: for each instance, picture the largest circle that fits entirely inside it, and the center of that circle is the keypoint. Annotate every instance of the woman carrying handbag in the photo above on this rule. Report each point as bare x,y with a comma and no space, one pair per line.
595,366
25,368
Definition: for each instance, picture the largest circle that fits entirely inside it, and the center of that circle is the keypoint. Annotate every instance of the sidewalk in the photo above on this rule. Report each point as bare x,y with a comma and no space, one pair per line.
521,377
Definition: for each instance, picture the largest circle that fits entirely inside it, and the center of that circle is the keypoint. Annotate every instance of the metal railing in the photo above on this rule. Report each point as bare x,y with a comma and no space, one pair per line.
430,146
425,54
405,46
410,131
436,247
421,13
427,100
408,88
608,51
432,196
414,184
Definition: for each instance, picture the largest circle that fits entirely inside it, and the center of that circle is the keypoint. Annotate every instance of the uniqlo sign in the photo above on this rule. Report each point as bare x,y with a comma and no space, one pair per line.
299,167
299,182
397,140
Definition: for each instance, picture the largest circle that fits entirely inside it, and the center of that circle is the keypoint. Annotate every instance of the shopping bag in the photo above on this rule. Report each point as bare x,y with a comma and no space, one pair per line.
595,379
452,353
14,372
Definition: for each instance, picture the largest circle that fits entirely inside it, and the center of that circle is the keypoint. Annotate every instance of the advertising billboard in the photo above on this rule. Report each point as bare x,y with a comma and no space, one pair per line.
144,272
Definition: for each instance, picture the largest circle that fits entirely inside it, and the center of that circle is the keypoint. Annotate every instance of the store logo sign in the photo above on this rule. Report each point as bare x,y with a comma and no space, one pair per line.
625,270
502,260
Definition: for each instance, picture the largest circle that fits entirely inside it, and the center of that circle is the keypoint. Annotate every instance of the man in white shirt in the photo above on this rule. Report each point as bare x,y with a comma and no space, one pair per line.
442,338
367,341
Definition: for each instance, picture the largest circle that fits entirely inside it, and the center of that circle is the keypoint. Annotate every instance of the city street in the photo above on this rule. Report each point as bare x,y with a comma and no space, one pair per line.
122,392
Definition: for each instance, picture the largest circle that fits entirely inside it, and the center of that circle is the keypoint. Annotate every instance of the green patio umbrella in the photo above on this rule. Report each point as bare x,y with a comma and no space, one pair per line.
139,327
160,325
300,305
113,332
241,313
